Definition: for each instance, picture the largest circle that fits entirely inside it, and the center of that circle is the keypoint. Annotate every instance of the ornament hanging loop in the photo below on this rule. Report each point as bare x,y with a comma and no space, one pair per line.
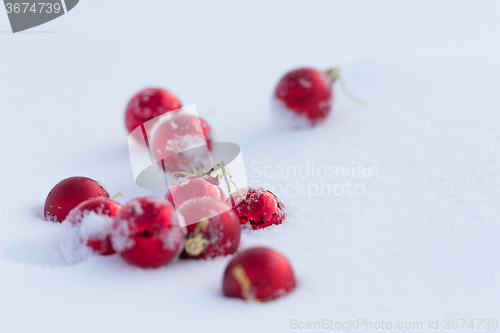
244,283
117,195
218,171
334,75
196,244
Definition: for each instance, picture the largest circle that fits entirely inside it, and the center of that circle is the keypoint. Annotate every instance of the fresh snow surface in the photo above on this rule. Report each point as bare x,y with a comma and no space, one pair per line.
393,208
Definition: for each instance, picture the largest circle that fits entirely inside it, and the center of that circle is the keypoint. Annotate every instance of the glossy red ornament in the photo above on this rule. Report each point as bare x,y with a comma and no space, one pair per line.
68,193
303,97
209,236
258,274
186,188
182,141
147,232
262,208
148,104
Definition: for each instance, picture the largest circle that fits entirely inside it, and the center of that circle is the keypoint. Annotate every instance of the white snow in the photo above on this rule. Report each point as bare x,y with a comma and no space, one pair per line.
73,245
176,233
74,237
173,237
283,118
120,235
421,243
181,181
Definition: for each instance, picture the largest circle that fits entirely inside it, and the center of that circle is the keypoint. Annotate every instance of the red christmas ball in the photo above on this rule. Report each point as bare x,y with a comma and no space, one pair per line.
209,236
147,232
303,97
261,208
187,188
182,141
258,274
68,193
87,229
148,104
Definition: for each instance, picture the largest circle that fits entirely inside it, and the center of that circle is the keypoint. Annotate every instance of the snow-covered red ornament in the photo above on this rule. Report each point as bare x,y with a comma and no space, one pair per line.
213,228
182,142
86,229
186,188
303,97
68,193
261,208
148,104
147,232
258,274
